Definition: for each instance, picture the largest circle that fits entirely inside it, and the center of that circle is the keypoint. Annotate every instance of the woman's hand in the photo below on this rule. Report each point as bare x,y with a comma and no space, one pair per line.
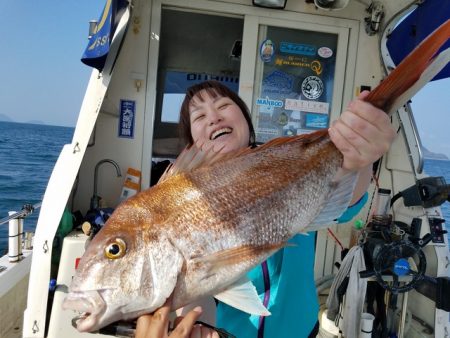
156,325
363,133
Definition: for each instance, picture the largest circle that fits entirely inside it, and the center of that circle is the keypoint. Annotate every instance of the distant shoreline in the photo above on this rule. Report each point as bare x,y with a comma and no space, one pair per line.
36,123
428,155
437,159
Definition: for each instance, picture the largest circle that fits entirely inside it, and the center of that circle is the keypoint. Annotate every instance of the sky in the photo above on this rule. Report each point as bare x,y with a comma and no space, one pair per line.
43,78
431,108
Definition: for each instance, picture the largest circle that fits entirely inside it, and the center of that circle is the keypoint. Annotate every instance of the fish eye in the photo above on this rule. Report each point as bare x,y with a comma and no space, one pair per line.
116,249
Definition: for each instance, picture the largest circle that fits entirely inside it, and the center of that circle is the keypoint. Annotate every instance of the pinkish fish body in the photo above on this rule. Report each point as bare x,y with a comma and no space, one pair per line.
199,231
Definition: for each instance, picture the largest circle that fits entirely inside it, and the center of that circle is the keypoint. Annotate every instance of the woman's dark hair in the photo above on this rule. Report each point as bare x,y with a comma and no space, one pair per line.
214,89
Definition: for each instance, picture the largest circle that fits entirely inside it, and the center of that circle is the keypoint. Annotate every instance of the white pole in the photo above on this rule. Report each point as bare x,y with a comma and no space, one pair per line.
13,242
20,237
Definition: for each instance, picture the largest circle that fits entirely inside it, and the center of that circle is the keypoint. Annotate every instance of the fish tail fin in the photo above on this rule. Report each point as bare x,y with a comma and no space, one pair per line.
409,70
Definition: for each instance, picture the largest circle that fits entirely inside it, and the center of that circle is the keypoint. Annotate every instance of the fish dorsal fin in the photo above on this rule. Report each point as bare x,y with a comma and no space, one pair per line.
235,255
243,296
191,158
303,138
202,155
340,196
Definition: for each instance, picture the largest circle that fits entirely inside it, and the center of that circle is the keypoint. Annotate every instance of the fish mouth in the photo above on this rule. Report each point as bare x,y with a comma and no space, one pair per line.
220,132
90,306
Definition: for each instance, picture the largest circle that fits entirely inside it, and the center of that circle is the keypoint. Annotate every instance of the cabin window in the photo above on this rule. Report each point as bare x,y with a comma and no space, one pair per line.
294,81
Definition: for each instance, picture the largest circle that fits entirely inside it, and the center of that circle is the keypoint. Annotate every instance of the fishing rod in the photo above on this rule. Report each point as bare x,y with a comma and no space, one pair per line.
27,209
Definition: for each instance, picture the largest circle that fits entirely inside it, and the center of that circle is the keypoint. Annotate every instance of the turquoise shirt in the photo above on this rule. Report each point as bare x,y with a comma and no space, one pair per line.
291,296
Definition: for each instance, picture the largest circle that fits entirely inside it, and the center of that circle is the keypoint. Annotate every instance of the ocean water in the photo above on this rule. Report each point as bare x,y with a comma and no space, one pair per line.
28,153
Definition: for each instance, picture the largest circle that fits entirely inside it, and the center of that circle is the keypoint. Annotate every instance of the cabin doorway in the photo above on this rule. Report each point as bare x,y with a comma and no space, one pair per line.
193,47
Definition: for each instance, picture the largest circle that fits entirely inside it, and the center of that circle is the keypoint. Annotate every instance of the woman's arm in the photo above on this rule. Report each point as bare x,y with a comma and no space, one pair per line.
363,133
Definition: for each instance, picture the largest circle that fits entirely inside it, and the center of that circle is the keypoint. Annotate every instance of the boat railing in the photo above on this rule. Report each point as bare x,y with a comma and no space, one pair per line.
17,239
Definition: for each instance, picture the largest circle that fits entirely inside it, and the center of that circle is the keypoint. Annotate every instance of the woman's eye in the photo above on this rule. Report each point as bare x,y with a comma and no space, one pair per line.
199,117
224,105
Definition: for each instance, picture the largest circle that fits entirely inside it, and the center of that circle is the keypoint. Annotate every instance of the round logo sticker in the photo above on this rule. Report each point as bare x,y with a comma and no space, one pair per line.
267,50
325,52
312,87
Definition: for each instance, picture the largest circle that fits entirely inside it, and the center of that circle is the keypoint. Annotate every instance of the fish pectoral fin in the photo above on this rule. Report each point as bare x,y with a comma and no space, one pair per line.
242,295
203,155
235,255
340,197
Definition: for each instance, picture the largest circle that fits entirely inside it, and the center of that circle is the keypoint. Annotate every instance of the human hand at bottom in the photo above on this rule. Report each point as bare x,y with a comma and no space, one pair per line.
156,325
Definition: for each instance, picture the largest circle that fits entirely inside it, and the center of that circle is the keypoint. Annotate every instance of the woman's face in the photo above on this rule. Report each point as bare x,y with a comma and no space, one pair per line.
218,120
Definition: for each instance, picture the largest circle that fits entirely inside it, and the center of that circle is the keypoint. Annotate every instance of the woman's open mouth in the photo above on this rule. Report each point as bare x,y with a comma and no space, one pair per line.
220,132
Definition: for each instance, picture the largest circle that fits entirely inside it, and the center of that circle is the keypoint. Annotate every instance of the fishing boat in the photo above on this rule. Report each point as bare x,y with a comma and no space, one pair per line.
297,64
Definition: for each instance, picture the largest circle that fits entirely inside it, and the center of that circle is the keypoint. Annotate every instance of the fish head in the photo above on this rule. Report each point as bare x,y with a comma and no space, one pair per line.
124,273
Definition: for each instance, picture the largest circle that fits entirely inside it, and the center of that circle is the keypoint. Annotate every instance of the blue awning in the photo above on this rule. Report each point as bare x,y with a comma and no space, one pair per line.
416,27
99,43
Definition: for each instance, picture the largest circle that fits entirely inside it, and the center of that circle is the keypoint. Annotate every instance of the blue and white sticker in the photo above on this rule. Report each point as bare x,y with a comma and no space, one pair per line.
297,48
267,50
312,87
269,102
127,118
316,121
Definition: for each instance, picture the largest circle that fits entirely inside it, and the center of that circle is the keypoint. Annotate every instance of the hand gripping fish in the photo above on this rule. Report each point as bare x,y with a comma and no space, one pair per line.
213,217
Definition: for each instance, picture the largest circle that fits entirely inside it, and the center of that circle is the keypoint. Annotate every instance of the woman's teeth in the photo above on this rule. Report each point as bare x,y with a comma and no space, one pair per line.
220,132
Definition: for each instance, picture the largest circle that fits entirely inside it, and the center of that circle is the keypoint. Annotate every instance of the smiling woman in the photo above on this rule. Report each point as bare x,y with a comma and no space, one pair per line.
212,112
219,120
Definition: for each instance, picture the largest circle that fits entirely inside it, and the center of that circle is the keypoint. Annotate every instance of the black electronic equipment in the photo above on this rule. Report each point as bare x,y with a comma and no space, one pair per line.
427,192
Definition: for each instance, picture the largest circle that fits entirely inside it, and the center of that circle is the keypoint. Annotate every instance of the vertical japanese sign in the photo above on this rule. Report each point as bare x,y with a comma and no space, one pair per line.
126,119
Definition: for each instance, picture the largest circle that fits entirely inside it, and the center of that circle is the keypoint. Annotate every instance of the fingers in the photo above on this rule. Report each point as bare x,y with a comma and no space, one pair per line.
142,326
177,321
363,94
367,111
154,325
363,133
200,331
185,326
